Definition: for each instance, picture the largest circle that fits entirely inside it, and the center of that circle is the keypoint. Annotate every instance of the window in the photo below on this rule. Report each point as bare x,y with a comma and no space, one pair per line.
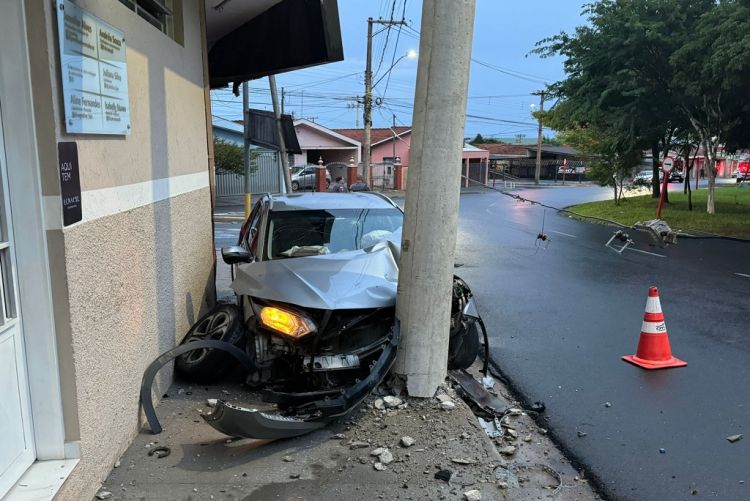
310,232
159,13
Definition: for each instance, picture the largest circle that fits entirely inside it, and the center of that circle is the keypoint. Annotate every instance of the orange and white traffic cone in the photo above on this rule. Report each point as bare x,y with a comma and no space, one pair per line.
654,351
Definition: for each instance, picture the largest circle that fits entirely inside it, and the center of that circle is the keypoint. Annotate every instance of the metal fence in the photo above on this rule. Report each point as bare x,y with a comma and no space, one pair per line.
264,176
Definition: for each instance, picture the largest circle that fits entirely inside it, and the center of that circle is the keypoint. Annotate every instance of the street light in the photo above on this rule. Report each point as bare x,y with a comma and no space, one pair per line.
411,54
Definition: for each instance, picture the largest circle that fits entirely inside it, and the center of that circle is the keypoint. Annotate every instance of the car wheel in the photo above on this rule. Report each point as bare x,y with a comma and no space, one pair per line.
295,186
464,347
223,323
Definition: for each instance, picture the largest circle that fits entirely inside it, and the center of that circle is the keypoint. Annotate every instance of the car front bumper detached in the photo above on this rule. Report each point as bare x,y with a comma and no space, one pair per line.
237,421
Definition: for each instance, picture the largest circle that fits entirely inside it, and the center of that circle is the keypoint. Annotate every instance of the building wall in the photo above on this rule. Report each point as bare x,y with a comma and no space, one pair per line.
133,275
385,149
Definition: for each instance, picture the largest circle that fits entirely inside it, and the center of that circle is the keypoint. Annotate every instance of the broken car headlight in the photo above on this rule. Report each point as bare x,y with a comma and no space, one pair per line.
286,322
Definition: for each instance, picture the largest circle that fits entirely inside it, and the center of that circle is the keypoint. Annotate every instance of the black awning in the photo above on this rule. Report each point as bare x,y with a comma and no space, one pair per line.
263,131
290,35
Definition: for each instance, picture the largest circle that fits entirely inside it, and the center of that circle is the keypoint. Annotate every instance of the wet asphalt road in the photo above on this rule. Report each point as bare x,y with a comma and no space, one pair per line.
561,317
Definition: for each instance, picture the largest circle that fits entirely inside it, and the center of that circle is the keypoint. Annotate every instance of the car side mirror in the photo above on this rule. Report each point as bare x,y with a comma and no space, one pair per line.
235,255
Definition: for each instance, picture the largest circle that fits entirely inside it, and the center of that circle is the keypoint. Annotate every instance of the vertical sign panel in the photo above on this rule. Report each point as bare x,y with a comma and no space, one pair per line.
94,73
70,183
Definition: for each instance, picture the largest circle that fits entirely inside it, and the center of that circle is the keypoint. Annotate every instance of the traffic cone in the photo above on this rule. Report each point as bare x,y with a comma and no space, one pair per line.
654,351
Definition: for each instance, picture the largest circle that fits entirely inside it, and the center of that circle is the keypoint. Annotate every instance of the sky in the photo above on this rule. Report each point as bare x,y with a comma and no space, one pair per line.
503,72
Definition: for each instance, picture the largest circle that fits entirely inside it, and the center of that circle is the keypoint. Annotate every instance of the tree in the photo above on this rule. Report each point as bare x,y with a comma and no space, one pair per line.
619,74
228,156
478,139
712,69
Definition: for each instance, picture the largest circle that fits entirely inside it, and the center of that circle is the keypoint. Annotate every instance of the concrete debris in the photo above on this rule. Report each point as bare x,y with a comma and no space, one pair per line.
407,441
662,451
462,461
607,404
465,436
212,402
383,455
442,397
288,459
358,444
734,438
117,464
505,478
582,434
379,404
508,450
513,433
338,436
379,466
473,495
444,475
392,402
448,405
103,495
294,476
527,438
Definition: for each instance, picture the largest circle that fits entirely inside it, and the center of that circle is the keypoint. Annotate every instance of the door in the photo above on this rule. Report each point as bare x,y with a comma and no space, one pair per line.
16,443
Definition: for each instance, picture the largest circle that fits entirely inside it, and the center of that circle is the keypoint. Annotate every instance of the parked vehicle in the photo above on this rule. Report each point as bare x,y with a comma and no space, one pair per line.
314,326
645,178
568,171
676,177
304,177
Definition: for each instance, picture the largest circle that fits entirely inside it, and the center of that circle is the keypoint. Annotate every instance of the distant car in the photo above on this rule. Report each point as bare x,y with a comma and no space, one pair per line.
568,171
304,177
676,177
741,176
645,177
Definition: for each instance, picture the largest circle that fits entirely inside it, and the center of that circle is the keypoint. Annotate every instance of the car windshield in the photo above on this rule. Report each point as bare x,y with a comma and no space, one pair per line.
315,232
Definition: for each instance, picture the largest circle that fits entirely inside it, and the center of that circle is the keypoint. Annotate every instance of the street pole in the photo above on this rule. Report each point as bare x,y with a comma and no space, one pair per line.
368,93
423,304
538,170
246,152
282,144
368,106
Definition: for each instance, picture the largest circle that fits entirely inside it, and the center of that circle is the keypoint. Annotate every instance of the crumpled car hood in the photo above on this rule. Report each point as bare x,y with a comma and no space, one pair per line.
346,280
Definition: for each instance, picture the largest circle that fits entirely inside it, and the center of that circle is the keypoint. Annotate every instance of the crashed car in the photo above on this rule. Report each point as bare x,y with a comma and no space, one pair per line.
314,324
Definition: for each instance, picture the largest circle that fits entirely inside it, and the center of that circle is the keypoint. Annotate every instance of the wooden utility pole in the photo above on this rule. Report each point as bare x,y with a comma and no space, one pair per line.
423,305
538,170
368,93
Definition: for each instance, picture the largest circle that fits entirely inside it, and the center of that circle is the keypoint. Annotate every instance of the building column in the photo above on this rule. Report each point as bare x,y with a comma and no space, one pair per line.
320,177
398,175
351,172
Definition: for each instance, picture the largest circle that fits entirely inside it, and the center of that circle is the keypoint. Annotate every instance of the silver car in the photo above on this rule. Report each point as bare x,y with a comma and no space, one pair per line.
303,177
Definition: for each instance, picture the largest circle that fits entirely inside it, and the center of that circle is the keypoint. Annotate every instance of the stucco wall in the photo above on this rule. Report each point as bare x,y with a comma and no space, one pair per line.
385,149
129,279
137,281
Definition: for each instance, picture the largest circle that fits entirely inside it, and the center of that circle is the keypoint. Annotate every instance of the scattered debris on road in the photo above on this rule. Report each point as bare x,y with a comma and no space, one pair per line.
734,438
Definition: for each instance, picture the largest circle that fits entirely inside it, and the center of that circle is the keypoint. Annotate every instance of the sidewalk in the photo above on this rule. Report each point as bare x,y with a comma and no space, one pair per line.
450,456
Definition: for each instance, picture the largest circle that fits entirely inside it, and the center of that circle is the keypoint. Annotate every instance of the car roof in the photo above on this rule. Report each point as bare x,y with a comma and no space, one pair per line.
315,201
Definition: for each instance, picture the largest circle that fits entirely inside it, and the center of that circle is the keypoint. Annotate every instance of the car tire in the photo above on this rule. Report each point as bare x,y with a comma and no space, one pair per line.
222,323
464,346
295,186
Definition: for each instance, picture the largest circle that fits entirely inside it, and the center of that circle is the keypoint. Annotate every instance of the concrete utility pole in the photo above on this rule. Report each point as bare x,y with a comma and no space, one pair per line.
538,170
428,244
368,93
246,120
280,129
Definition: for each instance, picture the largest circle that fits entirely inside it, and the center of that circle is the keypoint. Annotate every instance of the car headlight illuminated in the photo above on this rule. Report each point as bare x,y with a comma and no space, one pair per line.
286,322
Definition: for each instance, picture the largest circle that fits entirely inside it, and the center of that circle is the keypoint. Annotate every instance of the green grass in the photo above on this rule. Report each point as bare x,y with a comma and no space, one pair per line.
732,216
